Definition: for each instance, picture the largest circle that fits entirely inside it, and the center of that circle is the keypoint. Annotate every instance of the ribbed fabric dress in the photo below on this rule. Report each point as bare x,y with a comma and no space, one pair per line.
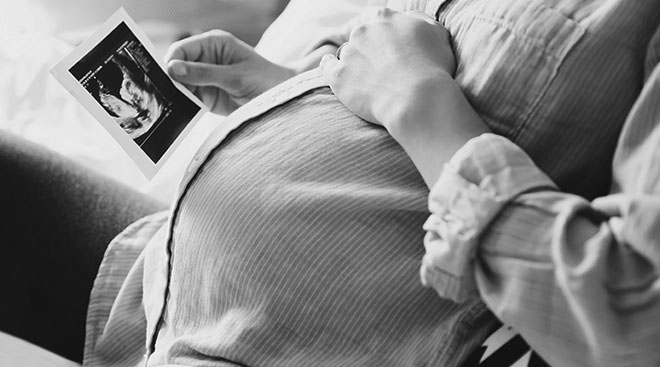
296,238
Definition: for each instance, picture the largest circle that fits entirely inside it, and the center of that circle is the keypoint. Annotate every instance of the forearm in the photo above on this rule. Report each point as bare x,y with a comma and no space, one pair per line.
431,130
577,295
545,262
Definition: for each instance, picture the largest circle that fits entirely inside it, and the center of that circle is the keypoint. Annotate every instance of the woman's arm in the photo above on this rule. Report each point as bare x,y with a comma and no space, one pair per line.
582,288
432,140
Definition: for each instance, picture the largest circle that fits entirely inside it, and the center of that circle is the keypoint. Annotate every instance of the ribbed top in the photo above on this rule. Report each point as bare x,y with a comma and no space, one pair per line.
298,242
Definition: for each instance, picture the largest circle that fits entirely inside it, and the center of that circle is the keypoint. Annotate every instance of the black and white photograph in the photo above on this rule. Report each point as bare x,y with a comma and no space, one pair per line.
373,183
132,91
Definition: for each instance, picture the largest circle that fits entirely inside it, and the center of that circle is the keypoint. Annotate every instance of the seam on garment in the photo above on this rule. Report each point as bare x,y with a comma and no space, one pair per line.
176,208
552,79
526,38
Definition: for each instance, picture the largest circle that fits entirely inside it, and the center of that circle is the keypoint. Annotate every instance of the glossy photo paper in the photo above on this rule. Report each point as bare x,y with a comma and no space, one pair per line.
116,78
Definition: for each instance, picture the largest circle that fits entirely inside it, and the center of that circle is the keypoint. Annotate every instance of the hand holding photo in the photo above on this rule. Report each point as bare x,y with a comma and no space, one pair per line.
115,77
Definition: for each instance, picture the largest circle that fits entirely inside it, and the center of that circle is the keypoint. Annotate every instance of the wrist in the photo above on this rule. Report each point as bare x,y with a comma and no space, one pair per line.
429,100
435,126
277,74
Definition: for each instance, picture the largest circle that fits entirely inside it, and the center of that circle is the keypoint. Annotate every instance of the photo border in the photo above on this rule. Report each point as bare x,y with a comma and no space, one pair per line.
76,89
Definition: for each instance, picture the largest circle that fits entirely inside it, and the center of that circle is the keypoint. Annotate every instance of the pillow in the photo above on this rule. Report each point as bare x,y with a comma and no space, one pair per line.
305,22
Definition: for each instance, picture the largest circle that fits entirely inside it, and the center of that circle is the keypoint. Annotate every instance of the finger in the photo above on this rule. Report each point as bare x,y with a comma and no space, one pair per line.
617,225
421,15
385,12
328,66
195,47
201,74
611,205
339,49
371,13
186,49
366,20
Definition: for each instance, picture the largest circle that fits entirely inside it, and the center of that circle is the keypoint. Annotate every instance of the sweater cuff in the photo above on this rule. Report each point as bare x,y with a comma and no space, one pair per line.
483,176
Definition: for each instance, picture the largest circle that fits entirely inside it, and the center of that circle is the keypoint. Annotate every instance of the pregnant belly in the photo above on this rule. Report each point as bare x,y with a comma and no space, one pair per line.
300,242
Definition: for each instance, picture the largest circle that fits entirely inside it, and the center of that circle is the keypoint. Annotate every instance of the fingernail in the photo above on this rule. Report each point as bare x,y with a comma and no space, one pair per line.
179,69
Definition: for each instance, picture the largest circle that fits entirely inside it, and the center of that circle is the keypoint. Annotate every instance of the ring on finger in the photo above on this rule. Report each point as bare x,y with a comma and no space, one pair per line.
338,52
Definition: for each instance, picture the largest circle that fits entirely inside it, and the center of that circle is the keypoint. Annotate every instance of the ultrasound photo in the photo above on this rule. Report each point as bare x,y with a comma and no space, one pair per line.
130,86
115,77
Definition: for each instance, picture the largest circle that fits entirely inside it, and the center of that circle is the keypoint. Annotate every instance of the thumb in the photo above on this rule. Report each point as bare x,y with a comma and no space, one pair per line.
328,67
200,73
612,205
